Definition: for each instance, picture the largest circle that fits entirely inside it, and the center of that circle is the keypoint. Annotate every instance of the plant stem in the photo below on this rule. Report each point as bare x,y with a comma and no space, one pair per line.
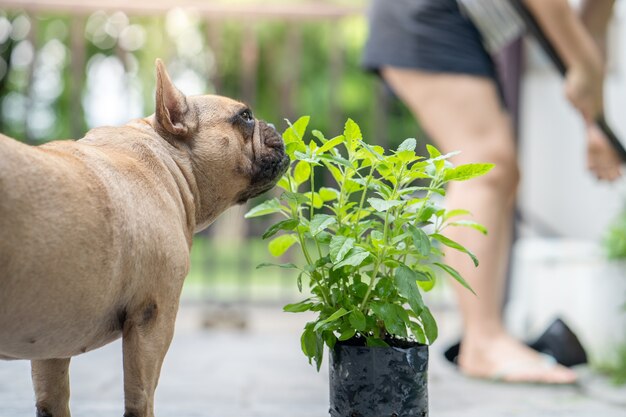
317,244
312,192
434,183
342,186
381,256
358,213
305,251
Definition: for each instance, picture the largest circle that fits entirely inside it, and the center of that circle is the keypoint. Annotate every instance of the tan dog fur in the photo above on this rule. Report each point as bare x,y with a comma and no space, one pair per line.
95,234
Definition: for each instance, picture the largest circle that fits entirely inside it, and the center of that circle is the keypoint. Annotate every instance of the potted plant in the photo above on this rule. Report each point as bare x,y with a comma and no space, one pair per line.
371,244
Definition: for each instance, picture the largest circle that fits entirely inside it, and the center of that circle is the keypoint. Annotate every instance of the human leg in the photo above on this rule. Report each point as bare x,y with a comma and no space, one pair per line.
464,113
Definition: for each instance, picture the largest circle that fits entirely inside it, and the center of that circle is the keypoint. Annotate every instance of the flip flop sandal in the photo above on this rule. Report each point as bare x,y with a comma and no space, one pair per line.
558,341
546,362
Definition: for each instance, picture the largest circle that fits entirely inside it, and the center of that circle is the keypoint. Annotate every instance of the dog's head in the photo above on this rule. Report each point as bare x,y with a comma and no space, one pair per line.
233,155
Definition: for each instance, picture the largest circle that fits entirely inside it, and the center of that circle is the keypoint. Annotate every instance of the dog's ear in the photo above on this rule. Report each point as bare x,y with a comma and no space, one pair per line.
172,110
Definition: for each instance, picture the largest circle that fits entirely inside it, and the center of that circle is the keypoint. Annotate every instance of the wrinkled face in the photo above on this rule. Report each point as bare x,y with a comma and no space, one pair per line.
233,156
247,154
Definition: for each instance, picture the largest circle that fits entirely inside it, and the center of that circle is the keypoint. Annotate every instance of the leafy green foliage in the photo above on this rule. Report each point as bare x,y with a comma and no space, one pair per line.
372,242
615,239
616,369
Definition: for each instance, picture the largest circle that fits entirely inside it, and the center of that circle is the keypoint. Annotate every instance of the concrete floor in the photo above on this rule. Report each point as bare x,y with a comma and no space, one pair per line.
260,372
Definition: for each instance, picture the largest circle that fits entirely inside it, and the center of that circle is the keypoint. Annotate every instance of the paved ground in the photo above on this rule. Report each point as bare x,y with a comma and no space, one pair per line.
260,372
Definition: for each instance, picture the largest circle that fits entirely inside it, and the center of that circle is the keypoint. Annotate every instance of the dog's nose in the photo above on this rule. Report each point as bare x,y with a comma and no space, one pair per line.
273,140
271,137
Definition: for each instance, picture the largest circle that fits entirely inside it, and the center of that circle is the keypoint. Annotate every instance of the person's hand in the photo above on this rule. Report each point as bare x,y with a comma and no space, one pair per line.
602,159
584,90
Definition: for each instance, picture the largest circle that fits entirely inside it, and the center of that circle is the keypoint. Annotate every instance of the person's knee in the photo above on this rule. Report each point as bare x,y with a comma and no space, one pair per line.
497,146
505,176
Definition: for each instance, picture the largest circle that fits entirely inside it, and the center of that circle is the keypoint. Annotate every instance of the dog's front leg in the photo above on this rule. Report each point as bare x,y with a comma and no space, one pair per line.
146,338
51,381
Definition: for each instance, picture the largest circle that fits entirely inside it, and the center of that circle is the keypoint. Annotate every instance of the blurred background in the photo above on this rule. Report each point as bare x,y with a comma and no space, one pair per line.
69,65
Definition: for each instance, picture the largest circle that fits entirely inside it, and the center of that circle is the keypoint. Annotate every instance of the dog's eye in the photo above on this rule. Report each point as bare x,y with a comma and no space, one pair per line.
246,115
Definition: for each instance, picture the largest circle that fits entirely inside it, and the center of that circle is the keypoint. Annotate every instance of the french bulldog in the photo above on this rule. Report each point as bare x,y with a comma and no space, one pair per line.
95,234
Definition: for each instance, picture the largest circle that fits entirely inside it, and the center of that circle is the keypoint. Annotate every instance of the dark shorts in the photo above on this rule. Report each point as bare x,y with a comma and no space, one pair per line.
427,35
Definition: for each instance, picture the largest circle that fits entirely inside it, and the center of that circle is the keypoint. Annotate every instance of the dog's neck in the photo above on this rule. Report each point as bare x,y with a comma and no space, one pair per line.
197,191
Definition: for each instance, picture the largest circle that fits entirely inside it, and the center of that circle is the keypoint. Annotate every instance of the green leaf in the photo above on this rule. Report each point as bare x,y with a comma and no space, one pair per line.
330,144
385,288
308,341
306,156
406,281
430,325
426,281
328,194
454,274
317,200
337,159
469,223
302,172
330,339
376,342
355,257
394,317
455,213
336,315
268,207
283,266
335,172
466,172
324,237
418,332
427,213
293,147
293,136
300,307
280,244
454,245
357,320
353,135
377,237
319,354
288,224
408,145
381,205
299,281
432,151
420,240
300,125
283,183
321,222
294,198
406,156
360,289
347,334
319,135
339,247
375,151
426,286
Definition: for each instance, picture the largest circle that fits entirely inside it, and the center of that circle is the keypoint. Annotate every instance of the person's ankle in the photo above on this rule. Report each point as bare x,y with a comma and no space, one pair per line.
483,333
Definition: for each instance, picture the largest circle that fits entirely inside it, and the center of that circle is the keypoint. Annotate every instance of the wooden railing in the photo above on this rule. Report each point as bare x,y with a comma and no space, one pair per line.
283,11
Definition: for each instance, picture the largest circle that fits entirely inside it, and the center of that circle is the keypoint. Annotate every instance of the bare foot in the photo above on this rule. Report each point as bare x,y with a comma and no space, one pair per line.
505,359
602,159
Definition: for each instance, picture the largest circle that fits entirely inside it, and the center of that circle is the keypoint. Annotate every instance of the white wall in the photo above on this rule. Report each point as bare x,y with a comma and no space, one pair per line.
556,187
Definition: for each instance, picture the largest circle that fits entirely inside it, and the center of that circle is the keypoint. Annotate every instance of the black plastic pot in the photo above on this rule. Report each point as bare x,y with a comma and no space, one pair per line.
378,381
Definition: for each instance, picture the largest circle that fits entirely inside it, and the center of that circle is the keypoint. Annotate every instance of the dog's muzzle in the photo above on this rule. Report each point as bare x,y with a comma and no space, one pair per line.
269,165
